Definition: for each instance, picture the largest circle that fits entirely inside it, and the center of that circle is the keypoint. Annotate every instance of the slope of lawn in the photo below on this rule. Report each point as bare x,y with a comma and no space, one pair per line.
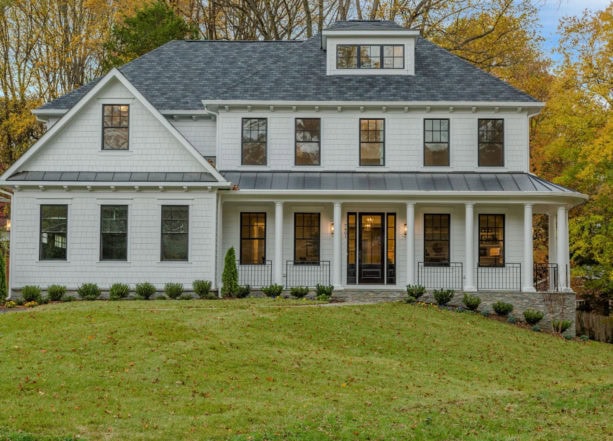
292,370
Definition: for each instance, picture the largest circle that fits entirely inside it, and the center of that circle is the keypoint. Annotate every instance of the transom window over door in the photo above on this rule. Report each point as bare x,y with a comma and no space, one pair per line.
115,126
308,141
254,140
175,232
491,240
389,56
53,232
114,232
436,239
306,238
253,238
372,142
491,143
436,142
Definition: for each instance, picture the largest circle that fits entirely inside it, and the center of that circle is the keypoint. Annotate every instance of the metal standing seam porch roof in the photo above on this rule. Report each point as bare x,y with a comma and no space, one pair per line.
111,177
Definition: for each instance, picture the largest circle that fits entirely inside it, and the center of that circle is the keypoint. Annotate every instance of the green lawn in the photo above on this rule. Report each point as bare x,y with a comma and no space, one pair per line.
291,370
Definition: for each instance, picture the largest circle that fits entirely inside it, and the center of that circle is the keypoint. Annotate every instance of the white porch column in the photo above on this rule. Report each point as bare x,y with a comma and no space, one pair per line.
562,249
551,245
469,264
528,263
277,263
337,241
410,243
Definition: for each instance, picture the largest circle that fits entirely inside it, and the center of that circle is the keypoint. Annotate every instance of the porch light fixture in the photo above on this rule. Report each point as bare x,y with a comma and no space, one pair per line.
332,228
404,230
8,225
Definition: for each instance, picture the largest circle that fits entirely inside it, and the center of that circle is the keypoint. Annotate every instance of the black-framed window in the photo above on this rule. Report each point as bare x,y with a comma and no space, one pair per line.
53,232
491,143
254,140
113,232
436,142
115,126
306,238
491,240
308,141
372,142
253,238
436,239
372,56
175,232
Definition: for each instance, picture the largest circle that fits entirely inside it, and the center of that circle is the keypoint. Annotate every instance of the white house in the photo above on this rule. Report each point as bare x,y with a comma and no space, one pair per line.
365,157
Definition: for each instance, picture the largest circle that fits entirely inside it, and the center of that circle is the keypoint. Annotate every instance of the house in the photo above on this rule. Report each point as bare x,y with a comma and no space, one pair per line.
365,157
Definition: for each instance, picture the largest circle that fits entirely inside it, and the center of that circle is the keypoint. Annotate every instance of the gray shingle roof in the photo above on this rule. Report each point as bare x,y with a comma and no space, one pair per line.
180,74
365,25
99,176
392,181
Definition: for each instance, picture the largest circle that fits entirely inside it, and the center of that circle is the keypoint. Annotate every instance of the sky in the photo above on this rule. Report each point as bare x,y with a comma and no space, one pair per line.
550,12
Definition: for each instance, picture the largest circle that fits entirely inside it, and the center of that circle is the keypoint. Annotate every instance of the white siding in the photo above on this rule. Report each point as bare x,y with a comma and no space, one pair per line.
200,133
144,234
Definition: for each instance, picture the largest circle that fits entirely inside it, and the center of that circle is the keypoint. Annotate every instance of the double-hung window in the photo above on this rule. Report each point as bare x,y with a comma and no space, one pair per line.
436,239
491,240
175,232
372,142
436,142
306,238
115,126
491,143
53,232
254,140
253,238
114,232
308,141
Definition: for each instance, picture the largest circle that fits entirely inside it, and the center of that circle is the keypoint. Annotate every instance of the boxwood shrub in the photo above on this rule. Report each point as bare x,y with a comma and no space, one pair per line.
119,291
273,290
502,308
202,288
31,293
471,302
173,290
56,292
299,291
145,290
89,291
443,296
533,316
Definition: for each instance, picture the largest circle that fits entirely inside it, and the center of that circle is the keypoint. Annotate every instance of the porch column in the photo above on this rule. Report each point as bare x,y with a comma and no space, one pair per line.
469,265
337,241
551,245
528,263
562,249
277,263
410,243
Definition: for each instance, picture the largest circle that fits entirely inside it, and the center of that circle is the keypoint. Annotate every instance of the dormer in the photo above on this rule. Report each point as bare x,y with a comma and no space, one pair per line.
369,47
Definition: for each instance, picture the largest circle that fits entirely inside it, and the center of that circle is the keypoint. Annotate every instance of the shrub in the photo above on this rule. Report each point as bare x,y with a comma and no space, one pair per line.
3,286
511,319
416,291
68,298
299,291
202,288
173,290
443,296
89,291
536,328
471,302
273,290
145,290
485,313
533,316
31,293
501,308
229,277
185,296
243,291
10,304
30,304
56,292
561,325
119,291
410,299
584,337
323,292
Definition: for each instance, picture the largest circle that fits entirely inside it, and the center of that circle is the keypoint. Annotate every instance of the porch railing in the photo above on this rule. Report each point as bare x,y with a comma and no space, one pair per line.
256,276
546,277
307,274
440,276
499,278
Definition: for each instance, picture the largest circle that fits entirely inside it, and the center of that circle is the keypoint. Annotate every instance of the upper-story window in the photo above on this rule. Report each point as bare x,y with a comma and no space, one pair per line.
436,142
308,141
370,56
491,143
254,141
372,142
115,126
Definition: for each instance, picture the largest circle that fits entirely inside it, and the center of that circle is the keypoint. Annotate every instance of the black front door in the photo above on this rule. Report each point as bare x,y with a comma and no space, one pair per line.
371,268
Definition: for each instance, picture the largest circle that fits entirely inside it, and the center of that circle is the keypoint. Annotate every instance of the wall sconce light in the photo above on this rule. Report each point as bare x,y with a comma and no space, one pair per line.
8,225
332,228
404,230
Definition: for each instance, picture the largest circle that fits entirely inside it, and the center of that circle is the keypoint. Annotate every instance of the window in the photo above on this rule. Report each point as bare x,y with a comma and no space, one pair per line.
53,232
491,143
436,239
308,141
306,238
253,238
436,142
114,232
370,56
254,141
175,230
115,131
491,240
372,141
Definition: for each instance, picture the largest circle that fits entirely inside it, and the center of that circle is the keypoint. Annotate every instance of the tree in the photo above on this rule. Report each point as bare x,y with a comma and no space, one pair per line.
150,28
229,277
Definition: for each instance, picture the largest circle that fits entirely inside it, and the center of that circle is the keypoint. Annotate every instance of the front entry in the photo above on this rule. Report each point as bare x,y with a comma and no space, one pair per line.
370,238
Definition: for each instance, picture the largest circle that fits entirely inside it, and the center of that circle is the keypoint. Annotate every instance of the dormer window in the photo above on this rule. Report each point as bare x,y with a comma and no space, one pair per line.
371,56
115,126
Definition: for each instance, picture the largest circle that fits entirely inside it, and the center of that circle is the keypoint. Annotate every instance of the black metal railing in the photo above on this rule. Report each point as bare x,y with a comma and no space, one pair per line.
546,277
499,278
307,274
256,275
440,275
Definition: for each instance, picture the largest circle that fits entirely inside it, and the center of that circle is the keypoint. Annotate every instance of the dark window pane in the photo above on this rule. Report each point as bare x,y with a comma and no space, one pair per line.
372,142
254,139
308,134
175,232
491,143
491,240
115,127
436,239
306,237
253,238
436,142
346,57
113,232
53,232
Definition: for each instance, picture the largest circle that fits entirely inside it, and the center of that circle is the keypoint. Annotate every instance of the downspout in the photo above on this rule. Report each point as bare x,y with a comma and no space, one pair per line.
8,282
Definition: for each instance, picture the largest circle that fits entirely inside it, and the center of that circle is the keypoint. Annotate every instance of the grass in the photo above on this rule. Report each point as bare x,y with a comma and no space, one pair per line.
267,369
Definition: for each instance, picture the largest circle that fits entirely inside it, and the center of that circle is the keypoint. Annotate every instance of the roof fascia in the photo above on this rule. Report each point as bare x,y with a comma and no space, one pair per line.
399,33
98,184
